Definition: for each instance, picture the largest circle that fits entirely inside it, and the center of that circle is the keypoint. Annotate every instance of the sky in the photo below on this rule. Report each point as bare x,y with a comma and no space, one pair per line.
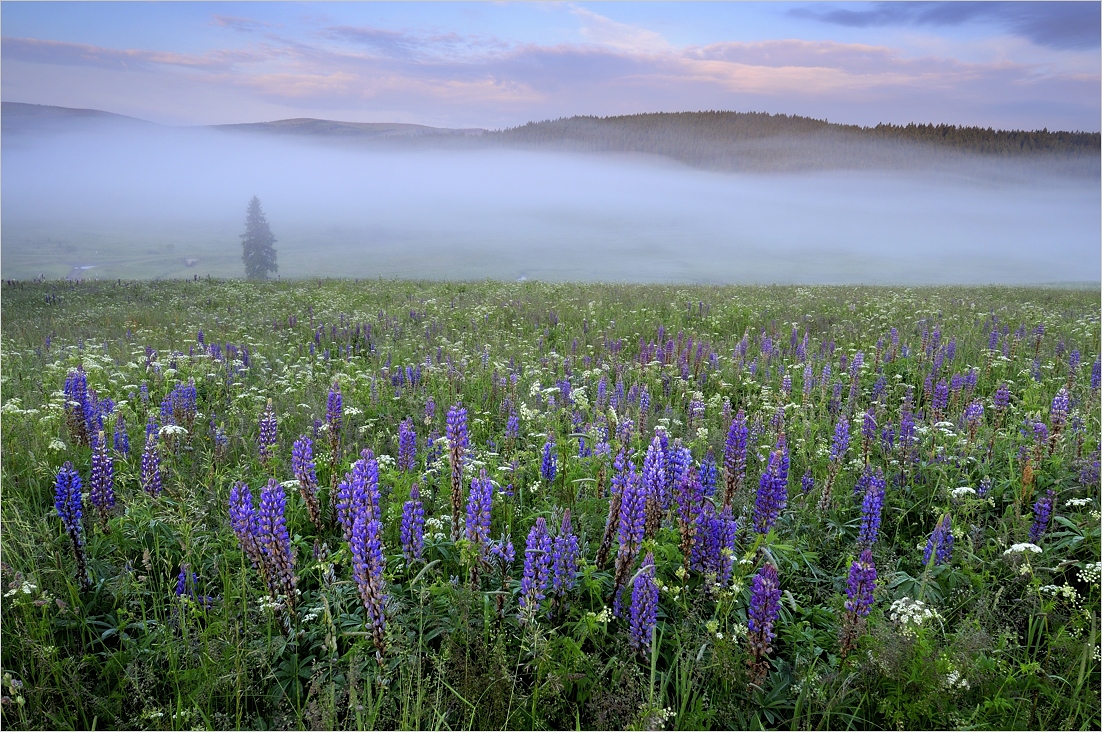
492,65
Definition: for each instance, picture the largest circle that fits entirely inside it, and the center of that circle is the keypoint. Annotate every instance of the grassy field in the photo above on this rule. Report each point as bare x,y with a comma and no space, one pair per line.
643,507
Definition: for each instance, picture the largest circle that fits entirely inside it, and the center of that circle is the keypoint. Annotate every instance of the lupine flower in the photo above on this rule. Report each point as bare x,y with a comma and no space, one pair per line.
334,415
941,397
302,464
616,493
512,427
654,485
68,503
1096,375
764,607
644,606
973,414
537,565
1042,513
457,447
181,405
243,521
564,558
708,473
868,432
407,445
151,466
940,543
549,464
807,482
368,564
713,553
479,505
734,457
632,526
840,443
871,507
1058,415
102,482
412,530
861,583
267,437
275,541
772,493
78,409
122,440
690,504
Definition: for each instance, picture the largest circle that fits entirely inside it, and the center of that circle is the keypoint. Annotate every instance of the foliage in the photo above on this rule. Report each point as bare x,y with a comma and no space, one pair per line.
257,244
180,630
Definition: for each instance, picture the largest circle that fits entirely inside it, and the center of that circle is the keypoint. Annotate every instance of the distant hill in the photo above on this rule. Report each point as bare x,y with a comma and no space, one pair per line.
329,128
16,117
760,141
725,141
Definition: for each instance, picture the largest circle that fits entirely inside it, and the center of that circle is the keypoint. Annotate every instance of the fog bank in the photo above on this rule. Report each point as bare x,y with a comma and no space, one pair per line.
139,202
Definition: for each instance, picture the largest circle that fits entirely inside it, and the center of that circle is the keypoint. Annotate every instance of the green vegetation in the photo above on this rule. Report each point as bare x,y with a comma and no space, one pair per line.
1005,638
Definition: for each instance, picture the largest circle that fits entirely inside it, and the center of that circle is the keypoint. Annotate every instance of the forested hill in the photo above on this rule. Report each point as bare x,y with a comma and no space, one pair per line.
756,140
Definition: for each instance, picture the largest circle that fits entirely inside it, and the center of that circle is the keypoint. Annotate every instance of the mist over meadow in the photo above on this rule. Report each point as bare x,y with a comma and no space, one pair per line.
138,200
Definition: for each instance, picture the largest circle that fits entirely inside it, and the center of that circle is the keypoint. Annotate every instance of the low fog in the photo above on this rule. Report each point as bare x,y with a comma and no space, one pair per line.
137,202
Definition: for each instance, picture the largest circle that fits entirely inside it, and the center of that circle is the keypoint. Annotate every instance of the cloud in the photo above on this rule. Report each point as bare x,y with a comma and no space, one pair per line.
79,54
607,32
241,25
1060,25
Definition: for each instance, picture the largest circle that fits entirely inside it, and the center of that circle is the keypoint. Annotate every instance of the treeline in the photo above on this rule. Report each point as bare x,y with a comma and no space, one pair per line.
757,140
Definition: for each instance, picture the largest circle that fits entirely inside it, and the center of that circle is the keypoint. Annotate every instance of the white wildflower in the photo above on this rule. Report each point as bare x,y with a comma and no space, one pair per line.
1024,546
963,491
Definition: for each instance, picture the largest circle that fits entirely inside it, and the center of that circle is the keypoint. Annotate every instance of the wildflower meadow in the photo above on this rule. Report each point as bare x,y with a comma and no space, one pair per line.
384,504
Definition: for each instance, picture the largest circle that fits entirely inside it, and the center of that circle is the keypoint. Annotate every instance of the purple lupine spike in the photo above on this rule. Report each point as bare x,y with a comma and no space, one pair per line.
102,480
78,409
68,503
1058,415
1096,375
275,541
690,499
871,507
840,443
860,585
537,561
243,521
734,457
807,482
940,544
708,473
654,485
1042,513
458,442
479,506
412,531
644,606
631,529
343,505
368,564
302,464
122,439
503,552
764,607
267,438
512,427
549,463
407,445
772,495
334,412
564,559
151,479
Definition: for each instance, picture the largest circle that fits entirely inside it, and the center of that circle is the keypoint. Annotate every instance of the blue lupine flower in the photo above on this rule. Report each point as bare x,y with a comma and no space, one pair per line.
412,530
458,441
102,480
1042,513
68,503
151,466
940,543
368,564
644,606
407,445
479,506
122,440
772,495
537,565
860,585
275,541
631,528
871,507
764,607
708,473
734,457
302,465
549,464
244,522
564,558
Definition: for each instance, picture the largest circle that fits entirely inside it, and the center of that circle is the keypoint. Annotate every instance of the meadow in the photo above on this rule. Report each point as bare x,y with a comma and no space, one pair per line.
337,504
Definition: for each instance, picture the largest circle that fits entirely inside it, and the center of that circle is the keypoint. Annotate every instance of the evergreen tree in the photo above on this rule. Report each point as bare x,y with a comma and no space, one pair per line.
256,244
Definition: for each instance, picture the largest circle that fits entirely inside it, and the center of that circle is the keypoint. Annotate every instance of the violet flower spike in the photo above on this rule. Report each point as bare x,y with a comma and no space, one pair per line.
412,530
644,606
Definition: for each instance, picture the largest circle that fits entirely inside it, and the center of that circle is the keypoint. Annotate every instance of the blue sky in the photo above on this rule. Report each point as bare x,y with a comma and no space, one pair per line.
1007,65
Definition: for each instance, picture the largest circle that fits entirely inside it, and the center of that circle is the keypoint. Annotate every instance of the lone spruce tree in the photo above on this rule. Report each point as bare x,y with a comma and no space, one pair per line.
256,244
